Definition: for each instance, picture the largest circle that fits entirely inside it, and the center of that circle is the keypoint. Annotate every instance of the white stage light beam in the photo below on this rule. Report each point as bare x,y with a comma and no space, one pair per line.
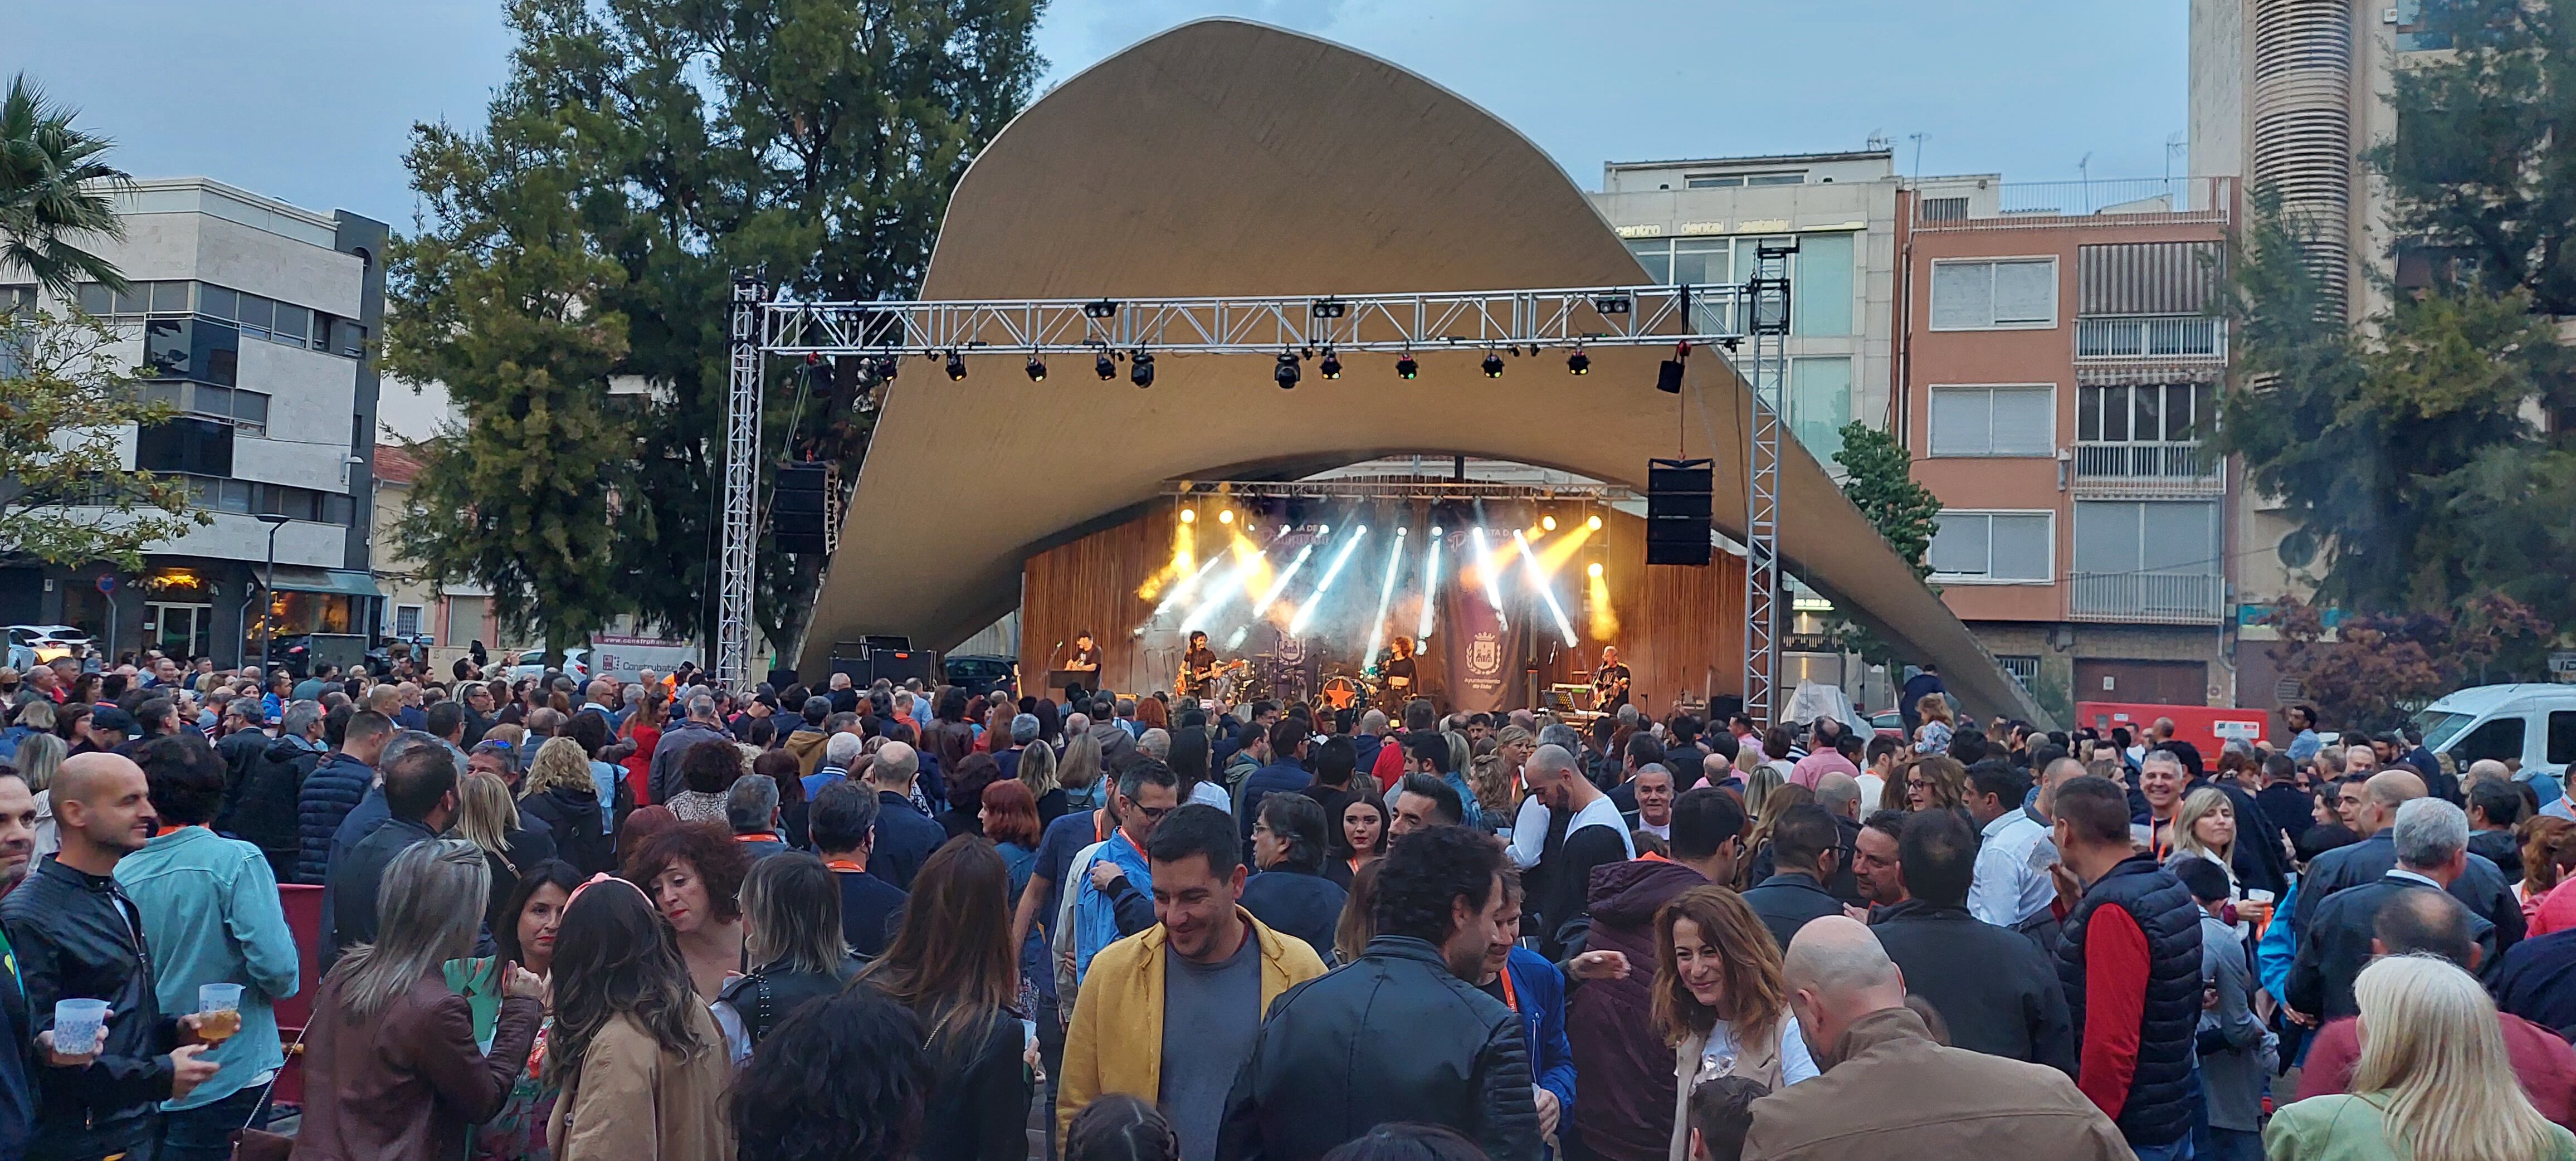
1493,576
1385,594
1233,582
1538,580
1189,584
1280,584
1332,572
1430,590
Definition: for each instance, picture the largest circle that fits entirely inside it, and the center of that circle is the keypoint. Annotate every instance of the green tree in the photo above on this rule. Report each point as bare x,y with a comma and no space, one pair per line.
502,303
66,497
1878,477
810,142
55,186
2406,448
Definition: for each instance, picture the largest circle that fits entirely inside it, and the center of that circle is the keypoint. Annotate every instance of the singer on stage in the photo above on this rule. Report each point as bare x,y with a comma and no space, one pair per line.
1610,682
1086,655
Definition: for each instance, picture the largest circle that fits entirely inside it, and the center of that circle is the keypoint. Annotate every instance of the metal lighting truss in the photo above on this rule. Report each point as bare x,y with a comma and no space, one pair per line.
1769,291
741,488
1534,319
1531,320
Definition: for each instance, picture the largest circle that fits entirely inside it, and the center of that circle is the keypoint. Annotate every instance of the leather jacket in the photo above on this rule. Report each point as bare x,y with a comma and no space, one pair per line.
1325,1067
78,937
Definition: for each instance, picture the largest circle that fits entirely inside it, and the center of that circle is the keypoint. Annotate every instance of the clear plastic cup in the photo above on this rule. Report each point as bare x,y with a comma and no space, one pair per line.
218,1012
76,1025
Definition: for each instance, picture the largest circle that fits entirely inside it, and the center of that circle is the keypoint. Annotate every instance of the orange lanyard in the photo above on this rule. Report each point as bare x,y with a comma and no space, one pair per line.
845,865
1510,999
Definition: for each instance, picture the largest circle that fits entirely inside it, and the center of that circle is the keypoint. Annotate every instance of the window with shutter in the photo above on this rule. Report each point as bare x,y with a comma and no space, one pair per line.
1996,547
2016,294
2014,420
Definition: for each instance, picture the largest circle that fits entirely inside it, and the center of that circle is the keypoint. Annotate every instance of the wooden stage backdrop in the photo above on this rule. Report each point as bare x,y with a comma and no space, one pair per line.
1680,630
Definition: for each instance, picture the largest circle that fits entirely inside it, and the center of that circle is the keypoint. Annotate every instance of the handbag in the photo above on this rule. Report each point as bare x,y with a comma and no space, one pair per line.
251,1144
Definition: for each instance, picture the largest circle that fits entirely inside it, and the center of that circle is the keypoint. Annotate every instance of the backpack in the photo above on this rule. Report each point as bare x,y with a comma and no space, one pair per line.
1061,945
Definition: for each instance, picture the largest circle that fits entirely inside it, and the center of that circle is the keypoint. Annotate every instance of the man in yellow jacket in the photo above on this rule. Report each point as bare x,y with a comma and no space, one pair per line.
1169,1014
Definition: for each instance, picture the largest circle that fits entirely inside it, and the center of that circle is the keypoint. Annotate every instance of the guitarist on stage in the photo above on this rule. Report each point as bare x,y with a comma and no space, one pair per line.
1197,665
1610,682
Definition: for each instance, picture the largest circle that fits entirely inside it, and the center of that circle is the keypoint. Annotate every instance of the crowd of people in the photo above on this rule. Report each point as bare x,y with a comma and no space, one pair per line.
632,921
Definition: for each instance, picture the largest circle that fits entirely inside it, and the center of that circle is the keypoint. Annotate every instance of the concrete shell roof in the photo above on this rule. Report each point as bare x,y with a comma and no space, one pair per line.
1225,157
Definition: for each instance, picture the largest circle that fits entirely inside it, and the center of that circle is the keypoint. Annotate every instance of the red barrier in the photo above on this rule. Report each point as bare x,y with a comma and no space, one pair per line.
304,918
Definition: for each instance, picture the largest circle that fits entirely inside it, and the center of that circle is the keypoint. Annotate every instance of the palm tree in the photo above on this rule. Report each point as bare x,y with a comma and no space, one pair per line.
54,187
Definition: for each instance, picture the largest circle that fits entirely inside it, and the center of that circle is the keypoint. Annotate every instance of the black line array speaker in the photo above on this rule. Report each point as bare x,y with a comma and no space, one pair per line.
1678,507
797,520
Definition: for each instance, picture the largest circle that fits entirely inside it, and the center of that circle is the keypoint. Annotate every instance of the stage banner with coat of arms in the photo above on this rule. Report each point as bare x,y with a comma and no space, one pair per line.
1480,654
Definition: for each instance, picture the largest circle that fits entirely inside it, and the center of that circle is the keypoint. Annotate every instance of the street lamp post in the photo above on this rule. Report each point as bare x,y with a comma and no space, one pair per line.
268,599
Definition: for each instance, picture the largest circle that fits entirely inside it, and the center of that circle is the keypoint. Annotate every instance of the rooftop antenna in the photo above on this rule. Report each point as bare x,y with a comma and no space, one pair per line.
2084,174
1917,139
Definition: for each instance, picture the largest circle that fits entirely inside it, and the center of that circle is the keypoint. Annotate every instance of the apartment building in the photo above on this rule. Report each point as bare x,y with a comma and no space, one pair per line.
255,317
1703,221
444,619
2056,369
2288,94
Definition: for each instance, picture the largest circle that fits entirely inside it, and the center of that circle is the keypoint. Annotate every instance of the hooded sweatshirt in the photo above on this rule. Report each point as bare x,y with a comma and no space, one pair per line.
1626,1113
807,744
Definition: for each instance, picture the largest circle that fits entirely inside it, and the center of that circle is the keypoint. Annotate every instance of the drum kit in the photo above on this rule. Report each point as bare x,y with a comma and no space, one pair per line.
1279,678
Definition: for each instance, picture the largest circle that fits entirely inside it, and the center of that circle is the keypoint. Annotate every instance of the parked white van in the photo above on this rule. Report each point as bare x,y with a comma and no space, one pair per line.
2530,723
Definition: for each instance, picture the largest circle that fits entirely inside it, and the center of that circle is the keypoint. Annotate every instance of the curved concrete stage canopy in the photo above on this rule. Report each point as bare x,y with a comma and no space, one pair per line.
1231,158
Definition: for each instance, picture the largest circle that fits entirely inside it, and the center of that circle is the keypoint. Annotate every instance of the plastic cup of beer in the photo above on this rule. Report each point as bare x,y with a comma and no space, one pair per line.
218,1012
76,1025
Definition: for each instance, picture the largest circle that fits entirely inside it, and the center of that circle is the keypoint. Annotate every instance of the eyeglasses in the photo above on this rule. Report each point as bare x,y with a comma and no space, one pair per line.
1153,812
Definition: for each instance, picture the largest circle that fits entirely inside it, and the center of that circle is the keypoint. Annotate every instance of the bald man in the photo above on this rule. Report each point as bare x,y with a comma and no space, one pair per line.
1890,1089
76,937
2481,885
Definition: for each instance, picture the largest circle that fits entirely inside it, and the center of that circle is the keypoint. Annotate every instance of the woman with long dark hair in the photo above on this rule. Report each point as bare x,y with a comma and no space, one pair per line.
966,782
634,1052
953,965
1362,831
391,1068
526,936
1720,999
791,914
1189,763
845,1081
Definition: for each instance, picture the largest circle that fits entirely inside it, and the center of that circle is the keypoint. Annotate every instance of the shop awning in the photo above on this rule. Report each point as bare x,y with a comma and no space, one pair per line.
335,581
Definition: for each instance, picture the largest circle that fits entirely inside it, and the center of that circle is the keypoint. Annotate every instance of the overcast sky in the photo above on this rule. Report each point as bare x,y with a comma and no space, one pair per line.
312,101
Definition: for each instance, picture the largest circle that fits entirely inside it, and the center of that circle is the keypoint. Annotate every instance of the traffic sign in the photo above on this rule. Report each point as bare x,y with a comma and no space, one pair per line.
107,582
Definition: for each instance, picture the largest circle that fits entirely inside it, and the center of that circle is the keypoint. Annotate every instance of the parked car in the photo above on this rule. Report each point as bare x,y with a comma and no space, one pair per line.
2530,723
1888,723
983,673
302,653
34,645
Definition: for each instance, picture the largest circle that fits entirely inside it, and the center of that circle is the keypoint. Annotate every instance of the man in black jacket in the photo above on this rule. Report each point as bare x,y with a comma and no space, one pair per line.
1992,986
1400,1035
2431,839
1806,847
76,936
2480,885
420,797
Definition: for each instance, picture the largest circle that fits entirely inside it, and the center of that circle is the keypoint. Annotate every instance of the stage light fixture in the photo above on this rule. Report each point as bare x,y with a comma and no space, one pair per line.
1405,367
1578,362
1593,569
1103,308
1547,523
887,366
1593,523
1286,373
1493,365
1435,531
1332,365
1225,516
1037,369
1189,516
1104,366
956,367
1323,530
1141,369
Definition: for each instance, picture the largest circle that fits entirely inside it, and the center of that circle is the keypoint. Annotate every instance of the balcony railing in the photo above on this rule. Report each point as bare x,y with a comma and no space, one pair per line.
2169,338
1965,204
2154,598
2159,467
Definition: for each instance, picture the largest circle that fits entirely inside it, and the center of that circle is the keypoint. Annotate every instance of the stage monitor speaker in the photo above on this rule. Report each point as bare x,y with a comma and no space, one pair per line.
797,515
900,665
1722,707
1678,506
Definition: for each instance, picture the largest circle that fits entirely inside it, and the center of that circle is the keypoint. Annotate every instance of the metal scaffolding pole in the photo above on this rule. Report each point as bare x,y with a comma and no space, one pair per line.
741,489
1769,291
